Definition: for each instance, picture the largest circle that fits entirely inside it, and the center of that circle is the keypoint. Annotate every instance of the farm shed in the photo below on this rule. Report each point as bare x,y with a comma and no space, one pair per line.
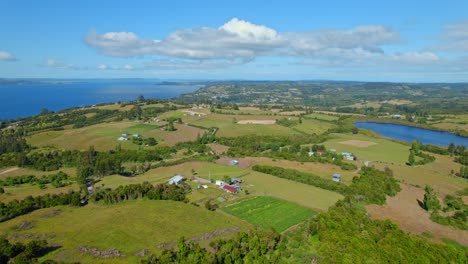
231,188
176,180
336,177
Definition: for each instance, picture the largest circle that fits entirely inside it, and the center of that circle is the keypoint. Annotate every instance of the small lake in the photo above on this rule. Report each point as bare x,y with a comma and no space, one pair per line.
408,133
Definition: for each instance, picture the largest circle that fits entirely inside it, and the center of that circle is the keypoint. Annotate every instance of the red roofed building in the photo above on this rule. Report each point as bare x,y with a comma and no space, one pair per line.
229,188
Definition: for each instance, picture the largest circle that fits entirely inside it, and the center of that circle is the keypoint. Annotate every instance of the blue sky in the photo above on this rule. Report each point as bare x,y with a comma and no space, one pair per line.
339,40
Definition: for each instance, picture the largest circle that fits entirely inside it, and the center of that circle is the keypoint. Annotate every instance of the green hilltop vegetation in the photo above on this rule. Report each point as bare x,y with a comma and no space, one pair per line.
101,184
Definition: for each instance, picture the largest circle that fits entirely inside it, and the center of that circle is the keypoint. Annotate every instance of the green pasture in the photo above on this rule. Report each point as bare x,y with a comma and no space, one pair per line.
129,227
322,116
269,212
384,150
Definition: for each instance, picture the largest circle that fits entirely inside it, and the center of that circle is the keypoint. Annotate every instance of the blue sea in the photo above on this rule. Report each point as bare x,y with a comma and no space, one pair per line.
22,99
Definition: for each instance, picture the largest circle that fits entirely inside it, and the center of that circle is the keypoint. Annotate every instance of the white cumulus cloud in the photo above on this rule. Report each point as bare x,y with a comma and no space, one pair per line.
5,56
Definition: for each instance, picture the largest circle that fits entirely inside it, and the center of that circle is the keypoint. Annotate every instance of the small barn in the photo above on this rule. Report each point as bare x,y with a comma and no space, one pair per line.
336,177
231,188
122,139
176,179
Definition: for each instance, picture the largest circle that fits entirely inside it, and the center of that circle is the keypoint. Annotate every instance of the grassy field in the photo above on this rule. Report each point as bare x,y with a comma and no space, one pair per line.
24,190
311,126
320,169
16,171
261,184
129,227
323,116
104,136
227,127
269,212
442,183
384,150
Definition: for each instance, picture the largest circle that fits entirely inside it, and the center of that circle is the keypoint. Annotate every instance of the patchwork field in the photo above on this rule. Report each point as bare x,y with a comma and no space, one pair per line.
322,116
320,169
257,122
104,136
128,227
229,125
269,212
261,184
255,183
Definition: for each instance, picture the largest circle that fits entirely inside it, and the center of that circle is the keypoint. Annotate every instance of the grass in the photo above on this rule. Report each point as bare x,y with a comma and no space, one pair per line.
16,171
203,169
227,127
269,212
320,169
22,191
129,227
387,153
104,136
322,116
261,184
443,183
256,183
139,128
384,150
311,126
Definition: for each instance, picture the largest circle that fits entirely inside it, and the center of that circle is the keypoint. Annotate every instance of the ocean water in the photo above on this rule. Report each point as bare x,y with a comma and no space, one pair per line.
27,99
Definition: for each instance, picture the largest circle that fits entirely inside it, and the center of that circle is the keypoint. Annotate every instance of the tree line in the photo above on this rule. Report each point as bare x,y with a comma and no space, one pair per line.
16,208
302,177
57,180
138,191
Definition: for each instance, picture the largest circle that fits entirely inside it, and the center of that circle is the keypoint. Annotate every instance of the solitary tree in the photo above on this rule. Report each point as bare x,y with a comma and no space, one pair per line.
411,159
451,148
431,202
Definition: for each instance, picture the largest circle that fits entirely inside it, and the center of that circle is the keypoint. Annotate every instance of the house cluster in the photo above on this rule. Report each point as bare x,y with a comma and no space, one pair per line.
319,152
232,187
125,136
192,113
347,155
